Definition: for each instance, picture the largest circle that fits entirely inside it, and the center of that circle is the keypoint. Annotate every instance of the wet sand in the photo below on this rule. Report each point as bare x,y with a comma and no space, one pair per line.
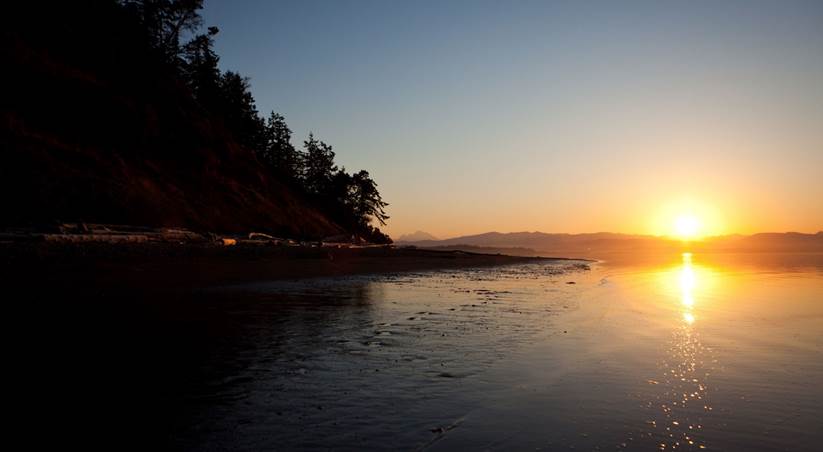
195,265
118,345
673,356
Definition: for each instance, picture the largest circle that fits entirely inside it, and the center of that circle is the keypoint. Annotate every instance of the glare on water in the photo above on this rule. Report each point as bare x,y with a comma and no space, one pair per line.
689,355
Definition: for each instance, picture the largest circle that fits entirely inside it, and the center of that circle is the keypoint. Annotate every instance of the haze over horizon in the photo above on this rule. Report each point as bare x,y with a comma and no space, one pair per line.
412,238
557,117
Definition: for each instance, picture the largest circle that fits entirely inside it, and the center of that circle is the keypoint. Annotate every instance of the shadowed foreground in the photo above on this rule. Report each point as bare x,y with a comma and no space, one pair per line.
513,357
153,266
118,344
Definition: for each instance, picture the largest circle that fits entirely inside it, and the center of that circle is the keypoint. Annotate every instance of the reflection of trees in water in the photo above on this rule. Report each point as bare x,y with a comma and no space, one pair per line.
288,326
241,346
361,360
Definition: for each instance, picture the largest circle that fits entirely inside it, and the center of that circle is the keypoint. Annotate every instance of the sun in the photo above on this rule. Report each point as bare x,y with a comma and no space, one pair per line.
688,219
686,226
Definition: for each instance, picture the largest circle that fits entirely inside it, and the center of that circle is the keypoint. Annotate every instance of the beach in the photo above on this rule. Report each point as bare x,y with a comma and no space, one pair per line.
147,264
537,354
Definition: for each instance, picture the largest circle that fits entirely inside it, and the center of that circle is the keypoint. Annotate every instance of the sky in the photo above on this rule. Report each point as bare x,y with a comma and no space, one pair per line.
578,116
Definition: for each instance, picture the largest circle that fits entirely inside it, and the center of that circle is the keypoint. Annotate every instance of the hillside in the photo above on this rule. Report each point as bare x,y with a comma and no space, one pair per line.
95,129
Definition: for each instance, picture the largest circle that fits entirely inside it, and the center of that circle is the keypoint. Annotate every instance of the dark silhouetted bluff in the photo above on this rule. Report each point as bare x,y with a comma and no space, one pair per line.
95,130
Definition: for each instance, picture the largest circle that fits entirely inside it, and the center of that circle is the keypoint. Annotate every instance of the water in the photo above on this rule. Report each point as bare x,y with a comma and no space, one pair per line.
698,352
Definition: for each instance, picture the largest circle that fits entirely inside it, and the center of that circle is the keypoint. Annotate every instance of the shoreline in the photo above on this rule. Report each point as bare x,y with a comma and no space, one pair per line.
139,265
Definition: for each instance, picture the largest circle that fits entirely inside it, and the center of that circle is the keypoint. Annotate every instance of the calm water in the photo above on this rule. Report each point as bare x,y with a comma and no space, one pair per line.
697,353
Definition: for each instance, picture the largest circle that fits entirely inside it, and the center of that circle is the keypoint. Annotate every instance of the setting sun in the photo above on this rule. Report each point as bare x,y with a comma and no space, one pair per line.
691,217
686,227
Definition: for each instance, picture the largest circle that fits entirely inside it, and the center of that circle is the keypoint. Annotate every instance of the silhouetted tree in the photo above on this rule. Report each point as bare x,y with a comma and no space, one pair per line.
166,21
318,166
199,69
278,152
351,200
365,201
336,199
239,111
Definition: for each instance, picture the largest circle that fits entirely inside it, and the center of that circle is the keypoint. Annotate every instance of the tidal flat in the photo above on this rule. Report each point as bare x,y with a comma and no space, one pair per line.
692,352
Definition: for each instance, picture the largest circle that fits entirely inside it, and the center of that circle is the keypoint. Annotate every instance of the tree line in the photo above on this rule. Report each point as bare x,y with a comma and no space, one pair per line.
173,29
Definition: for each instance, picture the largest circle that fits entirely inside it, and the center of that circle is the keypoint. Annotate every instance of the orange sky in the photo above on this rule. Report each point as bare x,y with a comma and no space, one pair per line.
553,116
751,187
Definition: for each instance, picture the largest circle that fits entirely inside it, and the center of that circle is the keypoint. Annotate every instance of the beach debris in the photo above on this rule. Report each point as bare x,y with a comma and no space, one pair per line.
260,235
341,238
105,233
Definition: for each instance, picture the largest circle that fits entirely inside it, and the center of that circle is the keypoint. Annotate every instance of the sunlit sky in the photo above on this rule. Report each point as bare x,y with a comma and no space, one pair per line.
552,116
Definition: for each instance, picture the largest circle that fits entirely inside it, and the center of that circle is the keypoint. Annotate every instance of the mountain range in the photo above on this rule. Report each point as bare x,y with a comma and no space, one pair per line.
591,244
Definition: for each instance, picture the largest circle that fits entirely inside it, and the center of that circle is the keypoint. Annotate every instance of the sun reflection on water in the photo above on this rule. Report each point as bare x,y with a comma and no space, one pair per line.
691,285
679,405
687,284
687,281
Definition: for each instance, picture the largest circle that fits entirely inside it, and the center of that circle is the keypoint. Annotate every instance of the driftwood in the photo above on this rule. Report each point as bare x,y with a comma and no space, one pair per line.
108,233
260,235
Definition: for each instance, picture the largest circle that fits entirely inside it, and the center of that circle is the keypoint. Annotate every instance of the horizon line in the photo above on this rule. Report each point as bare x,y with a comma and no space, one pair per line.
659,236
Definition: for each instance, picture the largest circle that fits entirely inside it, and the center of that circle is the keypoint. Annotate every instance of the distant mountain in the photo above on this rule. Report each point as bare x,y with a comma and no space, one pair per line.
516,251
539,241
768,241
593,244
417,236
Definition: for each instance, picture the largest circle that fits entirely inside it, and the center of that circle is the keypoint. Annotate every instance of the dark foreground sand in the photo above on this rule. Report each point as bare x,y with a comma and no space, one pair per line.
165,265
116,344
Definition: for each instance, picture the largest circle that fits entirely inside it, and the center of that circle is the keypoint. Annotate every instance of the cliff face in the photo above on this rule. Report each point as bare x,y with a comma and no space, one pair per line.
94,129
